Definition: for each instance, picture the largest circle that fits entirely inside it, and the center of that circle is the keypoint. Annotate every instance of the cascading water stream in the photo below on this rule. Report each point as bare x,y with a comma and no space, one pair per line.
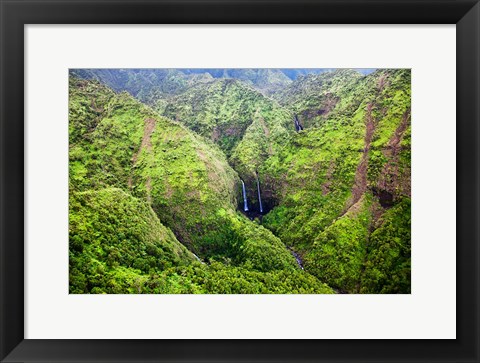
198,258
298,126
245,204
259,196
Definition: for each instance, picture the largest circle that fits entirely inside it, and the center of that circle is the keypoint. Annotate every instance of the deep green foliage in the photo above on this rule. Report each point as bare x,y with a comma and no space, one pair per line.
337,192
245,124
215,278
313,96
247,244
110,229
388,266
338,252
222,110
318,179
160,171
101,154
147,85
118,245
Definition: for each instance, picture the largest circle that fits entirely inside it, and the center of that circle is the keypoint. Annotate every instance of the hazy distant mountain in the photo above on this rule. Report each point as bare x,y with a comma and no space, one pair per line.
150,85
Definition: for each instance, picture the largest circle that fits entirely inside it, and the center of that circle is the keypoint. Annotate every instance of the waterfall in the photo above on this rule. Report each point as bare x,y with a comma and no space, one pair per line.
245,205
198,259
259,197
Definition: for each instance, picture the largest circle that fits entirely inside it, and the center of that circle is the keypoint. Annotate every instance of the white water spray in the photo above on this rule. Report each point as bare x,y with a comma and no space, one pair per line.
259,197
245,204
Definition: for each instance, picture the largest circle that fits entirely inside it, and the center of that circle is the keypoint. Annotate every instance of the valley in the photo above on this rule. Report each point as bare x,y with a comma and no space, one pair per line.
239,181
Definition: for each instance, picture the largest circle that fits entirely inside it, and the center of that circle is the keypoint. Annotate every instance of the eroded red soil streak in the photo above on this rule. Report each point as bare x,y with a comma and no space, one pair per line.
382,82
390,179
328,181
360,185
329,104
323,110
222,130
148,187
216,134
148,128
266,132
146,140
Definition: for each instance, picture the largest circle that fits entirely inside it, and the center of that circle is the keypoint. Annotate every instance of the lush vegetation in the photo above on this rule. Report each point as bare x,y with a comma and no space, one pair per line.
223,110
156,163
118,245
342,182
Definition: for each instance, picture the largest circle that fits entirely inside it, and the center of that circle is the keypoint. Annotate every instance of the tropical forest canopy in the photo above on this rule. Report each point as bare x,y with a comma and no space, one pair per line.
241,181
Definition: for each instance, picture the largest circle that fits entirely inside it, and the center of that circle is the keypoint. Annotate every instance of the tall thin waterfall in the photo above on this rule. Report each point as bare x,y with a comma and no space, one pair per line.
259,197
298,126
245,204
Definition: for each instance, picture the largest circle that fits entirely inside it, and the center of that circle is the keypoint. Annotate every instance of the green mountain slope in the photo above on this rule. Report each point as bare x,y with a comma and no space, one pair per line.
223,110
118,245
109,230
150,86
266,80
341,183
325,163
314,96
248,126
117,142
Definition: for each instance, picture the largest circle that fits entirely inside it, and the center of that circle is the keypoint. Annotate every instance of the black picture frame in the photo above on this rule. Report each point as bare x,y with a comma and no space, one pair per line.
16,13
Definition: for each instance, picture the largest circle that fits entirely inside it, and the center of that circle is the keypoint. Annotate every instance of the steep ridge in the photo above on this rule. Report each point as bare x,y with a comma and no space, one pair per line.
312,97
345,181
248,126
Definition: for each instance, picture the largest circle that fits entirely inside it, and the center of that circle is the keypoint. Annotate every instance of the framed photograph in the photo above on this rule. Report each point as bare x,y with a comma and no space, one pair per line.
239,181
